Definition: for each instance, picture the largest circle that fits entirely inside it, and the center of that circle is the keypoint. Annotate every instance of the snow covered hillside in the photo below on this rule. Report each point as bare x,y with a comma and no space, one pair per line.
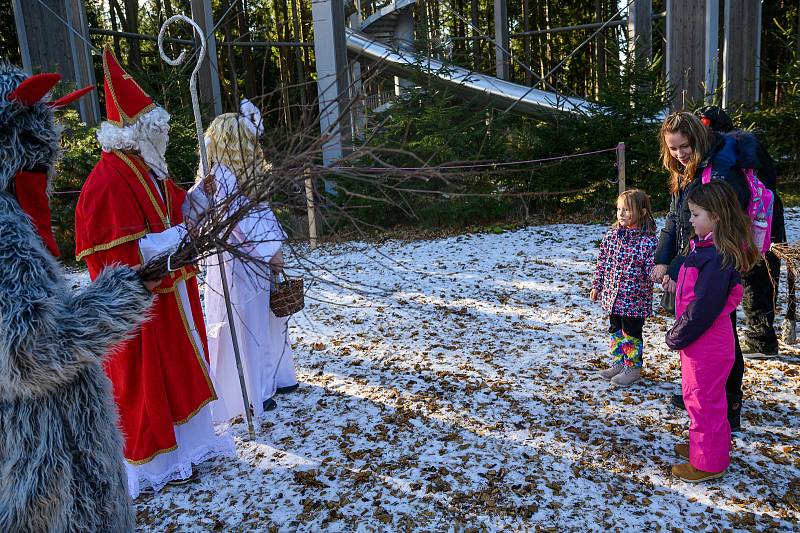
450,385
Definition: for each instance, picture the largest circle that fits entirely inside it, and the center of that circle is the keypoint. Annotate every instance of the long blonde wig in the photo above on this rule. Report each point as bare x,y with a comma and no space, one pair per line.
230,143
699,139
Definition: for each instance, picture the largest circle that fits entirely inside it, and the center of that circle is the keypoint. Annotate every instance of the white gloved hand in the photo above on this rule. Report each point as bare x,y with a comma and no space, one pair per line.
197,202
251,117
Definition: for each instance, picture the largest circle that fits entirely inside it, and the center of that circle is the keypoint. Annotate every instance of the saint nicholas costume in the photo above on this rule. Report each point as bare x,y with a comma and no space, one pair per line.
127,214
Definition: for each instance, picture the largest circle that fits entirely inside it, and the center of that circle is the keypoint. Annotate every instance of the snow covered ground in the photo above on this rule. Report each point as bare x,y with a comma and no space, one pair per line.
456,390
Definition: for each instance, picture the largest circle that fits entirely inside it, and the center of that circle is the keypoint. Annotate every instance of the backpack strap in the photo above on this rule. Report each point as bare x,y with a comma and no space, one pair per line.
706,178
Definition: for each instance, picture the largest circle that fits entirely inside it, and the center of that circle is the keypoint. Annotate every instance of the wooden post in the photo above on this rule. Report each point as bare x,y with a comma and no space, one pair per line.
208,79
686,47
640,31
48,44
741,53
621,167
312,212
502,58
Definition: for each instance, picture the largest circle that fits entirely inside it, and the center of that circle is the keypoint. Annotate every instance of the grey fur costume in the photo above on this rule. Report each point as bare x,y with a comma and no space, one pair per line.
61,464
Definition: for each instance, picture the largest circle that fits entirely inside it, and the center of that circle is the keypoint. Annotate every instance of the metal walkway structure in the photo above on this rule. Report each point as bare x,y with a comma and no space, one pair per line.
385,38
497,92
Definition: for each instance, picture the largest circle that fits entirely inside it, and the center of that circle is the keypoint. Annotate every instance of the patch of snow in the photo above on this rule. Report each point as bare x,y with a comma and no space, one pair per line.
451,384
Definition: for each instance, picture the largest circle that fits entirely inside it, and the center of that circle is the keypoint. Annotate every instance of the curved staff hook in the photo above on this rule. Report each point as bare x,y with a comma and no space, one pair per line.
198,121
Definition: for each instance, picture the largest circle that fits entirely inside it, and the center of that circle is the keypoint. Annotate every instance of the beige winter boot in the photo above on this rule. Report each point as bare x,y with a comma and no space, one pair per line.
628,376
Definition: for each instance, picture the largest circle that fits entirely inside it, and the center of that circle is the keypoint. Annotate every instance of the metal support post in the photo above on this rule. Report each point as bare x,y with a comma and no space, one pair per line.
712,49
332,78
210,94
501,39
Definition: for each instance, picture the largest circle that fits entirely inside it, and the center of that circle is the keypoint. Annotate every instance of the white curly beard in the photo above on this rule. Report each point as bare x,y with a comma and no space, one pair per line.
148,136
153,150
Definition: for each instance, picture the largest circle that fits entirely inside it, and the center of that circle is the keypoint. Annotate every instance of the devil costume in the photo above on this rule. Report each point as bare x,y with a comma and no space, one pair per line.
61,466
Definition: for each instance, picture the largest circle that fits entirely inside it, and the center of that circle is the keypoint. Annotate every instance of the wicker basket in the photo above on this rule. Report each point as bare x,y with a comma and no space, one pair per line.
286,297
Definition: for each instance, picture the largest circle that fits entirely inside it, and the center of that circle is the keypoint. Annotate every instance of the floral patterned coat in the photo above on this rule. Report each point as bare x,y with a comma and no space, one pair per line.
622,275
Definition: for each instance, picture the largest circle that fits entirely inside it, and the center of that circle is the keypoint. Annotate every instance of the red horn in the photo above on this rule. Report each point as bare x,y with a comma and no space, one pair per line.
34,88
71,97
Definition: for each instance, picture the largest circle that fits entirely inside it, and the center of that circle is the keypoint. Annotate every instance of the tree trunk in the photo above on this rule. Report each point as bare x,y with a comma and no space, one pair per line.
243,21
280,26
526,41
476,32
489,12
600,49
230,55
548,39
306,23
540,40
454,23
132,14
462,29
298,57
114,27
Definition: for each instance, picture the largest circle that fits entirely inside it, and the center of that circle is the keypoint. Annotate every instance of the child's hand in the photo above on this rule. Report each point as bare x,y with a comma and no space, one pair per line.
659,271
593,295
276,263
667,284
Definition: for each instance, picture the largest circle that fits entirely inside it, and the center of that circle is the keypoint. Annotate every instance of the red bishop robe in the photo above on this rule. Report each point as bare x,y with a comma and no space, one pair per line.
160,378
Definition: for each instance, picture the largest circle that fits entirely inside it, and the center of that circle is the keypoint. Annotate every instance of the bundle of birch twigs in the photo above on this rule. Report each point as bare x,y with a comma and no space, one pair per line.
790,253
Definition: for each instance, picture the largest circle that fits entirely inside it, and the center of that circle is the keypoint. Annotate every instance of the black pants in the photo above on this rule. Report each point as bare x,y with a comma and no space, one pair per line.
760,297
733,387
759,301
631,325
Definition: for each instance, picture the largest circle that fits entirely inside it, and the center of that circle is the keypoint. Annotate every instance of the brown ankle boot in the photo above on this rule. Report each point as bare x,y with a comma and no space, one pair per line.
682,450
690,474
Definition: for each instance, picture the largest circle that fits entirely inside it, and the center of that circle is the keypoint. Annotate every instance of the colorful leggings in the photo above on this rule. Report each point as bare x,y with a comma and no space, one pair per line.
627,342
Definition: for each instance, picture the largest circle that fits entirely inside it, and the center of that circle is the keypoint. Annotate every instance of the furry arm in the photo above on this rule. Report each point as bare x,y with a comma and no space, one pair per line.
47,332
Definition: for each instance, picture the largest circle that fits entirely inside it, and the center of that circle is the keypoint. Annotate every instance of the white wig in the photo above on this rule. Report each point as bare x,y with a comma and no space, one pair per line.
148,136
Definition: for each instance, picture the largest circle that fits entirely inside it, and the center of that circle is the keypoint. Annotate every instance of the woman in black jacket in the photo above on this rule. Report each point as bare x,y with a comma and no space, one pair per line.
761,282
687,148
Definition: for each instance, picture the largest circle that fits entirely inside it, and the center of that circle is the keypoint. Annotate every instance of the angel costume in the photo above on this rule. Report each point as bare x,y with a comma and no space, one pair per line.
264,343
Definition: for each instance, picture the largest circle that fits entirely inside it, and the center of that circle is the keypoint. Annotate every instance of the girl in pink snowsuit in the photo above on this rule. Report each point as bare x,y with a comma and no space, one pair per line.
708,290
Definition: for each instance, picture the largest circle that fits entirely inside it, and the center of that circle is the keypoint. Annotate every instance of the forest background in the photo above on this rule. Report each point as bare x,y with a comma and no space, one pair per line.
435,124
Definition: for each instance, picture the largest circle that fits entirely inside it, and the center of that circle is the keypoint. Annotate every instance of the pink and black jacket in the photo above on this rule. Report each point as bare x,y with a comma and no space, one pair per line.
624,264
706,294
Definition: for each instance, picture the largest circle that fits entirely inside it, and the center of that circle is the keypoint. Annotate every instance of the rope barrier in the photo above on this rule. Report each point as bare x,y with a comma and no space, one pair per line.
484,165
441,167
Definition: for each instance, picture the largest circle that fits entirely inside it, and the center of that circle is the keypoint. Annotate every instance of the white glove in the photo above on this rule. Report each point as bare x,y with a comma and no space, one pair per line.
156,244
195,204
251,117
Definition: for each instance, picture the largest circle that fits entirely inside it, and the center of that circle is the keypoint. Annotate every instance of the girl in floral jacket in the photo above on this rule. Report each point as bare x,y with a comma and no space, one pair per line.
622,282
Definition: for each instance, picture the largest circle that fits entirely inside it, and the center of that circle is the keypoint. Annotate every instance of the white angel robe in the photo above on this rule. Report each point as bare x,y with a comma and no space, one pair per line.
264,344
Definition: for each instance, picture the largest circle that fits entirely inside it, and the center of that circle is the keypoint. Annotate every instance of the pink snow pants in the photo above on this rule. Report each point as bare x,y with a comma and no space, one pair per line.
705,365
